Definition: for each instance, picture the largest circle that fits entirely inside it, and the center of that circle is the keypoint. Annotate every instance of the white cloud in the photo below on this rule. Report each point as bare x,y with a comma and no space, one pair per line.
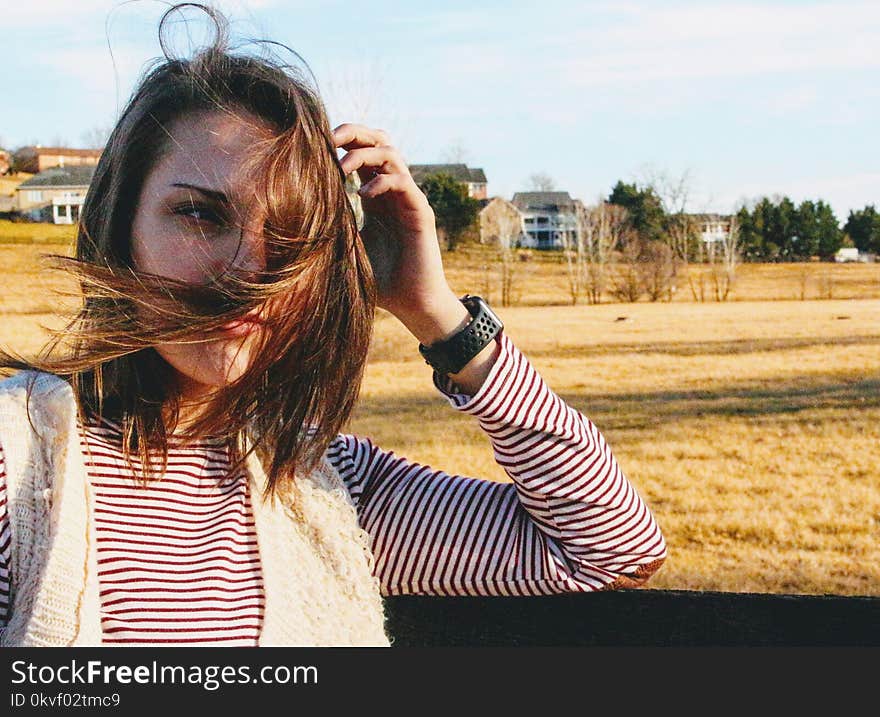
722,41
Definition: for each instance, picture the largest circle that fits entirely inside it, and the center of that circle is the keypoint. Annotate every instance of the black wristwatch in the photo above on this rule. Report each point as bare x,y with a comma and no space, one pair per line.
453,354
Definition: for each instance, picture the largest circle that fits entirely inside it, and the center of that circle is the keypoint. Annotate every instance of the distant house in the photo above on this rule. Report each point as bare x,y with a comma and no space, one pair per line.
473,178
713,229
549,218
54,195
35,159
501,224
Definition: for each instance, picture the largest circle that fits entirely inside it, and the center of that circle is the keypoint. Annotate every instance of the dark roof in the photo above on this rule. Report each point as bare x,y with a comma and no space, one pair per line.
552,201
461,172
65,151
79,175
710,217
477,174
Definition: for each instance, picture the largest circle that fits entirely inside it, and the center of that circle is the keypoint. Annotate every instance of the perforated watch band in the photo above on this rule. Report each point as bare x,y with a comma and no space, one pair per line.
453,354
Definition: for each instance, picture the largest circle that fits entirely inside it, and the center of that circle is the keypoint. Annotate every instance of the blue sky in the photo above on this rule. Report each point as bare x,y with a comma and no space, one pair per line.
746,98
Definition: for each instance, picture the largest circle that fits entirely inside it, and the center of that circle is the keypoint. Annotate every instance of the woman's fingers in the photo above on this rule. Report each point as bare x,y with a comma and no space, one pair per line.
383,160
356,136
370,152
379,165
382,183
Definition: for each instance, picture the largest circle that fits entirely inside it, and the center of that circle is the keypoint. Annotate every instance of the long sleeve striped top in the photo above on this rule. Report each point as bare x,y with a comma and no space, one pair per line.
178,559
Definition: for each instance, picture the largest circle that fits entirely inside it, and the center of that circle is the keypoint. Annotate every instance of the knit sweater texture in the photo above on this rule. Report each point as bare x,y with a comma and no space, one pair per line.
316,560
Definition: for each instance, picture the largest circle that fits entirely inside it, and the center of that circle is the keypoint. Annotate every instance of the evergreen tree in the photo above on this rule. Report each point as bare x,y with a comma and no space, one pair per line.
763,217
749,236
454,211
806,243
644,209
830,234
783,225
863,227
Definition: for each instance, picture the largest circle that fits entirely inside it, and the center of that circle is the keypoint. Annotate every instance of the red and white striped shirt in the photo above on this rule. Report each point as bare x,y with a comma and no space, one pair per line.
178,560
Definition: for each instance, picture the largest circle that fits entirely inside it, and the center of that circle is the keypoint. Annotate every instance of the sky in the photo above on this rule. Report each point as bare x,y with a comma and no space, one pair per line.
738,99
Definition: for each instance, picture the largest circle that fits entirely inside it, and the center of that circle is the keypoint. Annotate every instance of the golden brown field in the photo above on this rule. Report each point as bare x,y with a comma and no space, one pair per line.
752,428
541,279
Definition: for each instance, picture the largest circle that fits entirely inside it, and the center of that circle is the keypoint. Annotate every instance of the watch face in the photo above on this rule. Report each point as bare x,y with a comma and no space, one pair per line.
491,313
451,355
479,301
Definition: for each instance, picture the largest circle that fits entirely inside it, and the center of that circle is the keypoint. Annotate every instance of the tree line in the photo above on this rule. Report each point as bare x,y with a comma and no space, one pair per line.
782,231
769,230
862,228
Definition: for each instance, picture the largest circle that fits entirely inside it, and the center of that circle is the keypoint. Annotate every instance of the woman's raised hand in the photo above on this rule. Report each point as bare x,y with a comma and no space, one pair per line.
400,236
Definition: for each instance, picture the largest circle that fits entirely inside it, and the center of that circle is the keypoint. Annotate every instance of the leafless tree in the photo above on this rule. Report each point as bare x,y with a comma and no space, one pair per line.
359,93
96,137
657,266
541,182
682,230
726,256
628,280
589,254
352,91
501,226
804,275
456,153
826,283
575,253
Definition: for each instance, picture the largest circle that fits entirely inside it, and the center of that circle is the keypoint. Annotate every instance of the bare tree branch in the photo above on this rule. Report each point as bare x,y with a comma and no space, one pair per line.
456,153
541,182
501,226
96,137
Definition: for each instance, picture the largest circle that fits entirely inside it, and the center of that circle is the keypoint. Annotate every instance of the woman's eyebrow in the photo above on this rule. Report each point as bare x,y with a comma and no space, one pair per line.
212,193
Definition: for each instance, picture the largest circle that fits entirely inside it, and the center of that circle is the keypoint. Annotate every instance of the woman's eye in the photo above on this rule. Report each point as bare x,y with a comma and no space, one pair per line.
198,213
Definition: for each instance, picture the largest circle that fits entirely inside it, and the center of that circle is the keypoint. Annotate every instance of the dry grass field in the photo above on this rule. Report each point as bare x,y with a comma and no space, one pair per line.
540,279
752,428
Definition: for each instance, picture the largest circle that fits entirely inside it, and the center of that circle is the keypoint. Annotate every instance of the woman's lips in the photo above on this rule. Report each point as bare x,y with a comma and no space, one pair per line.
248,323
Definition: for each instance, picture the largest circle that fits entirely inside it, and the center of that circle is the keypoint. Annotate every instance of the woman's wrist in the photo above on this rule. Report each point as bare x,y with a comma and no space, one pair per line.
446,317
438,321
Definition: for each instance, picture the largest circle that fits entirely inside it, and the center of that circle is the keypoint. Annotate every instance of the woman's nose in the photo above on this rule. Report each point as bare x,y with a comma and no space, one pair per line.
248,257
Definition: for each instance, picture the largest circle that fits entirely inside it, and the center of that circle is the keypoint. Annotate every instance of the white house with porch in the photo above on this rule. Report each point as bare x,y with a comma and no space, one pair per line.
66,208
54,195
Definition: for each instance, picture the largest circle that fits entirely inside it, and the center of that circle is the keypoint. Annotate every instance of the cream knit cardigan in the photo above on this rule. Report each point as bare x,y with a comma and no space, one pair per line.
316,561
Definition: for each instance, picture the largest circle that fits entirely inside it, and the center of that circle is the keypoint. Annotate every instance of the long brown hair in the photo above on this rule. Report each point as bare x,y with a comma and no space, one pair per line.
317,292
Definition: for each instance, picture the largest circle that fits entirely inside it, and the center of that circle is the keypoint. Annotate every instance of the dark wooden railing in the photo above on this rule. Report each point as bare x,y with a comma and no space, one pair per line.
634,618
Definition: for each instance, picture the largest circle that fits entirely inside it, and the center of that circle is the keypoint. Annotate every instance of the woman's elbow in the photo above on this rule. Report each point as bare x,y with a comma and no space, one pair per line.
638,577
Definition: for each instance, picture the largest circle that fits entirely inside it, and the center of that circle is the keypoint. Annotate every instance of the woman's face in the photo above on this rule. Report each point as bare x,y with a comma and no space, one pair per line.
193,222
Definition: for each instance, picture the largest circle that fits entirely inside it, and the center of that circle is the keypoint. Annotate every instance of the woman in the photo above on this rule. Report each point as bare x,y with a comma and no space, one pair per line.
179,476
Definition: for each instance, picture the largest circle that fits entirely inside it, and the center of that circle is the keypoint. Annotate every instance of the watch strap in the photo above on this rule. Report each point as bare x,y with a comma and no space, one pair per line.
453,354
